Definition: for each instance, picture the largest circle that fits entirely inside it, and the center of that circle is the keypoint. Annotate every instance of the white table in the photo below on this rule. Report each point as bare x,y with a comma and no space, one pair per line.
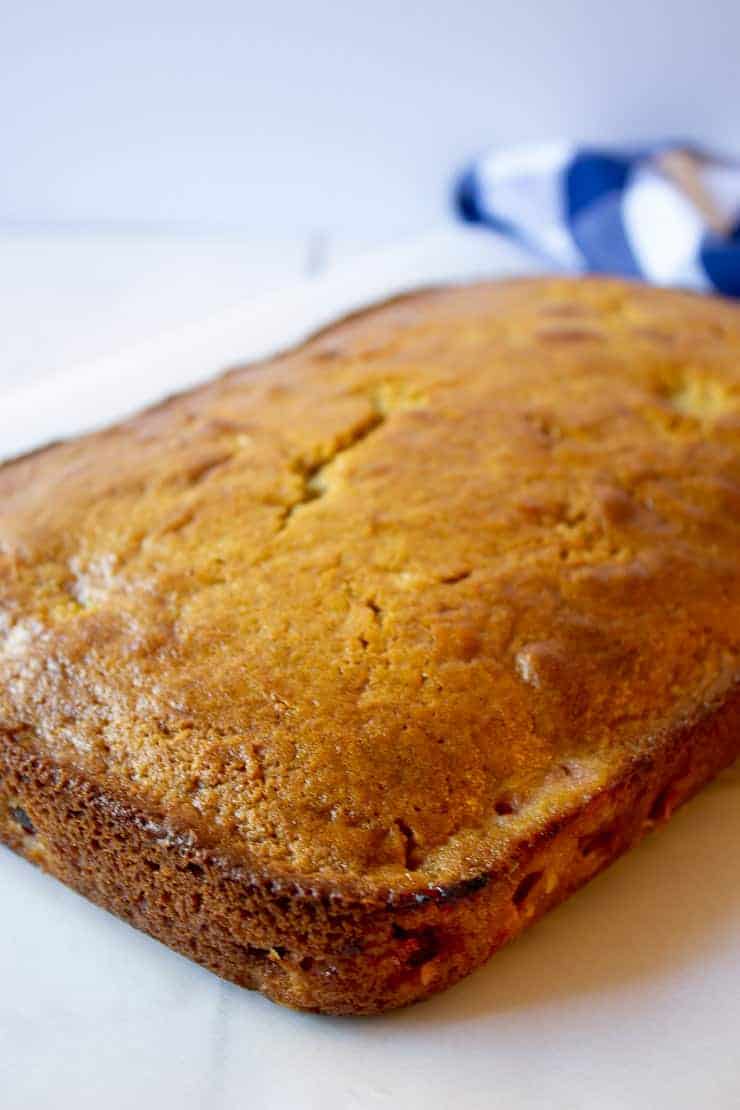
69,297
626,997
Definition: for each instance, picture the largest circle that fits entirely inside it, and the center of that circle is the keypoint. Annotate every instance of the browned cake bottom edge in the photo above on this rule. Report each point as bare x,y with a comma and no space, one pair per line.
324,950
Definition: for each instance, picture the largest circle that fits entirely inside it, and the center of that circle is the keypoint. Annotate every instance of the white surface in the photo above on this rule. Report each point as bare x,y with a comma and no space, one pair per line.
626,997
286,117
67,298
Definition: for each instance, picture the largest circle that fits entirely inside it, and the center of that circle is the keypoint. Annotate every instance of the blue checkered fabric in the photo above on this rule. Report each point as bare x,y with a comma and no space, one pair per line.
611,211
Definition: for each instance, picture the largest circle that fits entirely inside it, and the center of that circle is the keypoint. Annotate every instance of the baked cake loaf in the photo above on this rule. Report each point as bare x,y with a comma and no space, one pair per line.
335,673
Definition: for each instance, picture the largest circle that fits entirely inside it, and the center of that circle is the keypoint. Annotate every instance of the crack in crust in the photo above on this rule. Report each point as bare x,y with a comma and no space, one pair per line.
314,475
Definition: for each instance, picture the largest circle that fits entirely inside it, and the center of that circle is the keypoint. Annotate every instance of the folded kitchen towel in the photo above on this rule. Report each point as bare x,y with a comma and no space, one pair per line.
668,213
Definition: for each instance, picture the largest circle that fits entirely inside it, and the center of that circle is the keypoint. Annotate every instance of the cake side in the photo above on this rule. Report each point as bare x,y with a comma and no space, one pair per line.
334,950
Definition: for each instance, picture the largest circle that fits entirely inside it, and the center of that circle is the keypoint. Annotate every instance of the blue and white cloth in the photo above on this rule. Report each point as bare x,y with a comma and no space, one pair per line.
611,211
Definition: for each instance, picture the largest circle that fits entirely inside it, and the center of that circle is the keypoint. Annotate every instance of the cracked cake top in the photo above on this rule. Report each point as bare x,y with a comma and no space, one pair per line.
364,609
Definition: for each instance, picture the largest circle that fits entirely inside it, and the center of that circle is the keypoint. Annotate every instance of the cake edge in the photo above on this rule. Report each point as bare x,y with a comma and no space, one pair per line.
329,948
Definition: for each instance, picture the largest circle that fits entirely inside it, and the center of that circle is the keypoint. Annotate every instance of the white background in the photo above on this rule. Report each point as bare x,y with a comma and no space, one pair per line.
287,116
161,159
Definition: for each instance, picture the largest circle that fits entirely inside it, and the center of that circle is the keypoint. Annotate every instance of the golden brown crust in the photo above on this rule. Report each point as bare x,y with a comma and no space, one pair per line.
367,632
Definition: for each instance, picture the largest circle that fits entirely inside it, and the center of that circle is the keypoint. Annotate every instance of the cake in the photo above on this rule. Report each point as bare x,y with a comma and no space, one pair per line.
335,673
